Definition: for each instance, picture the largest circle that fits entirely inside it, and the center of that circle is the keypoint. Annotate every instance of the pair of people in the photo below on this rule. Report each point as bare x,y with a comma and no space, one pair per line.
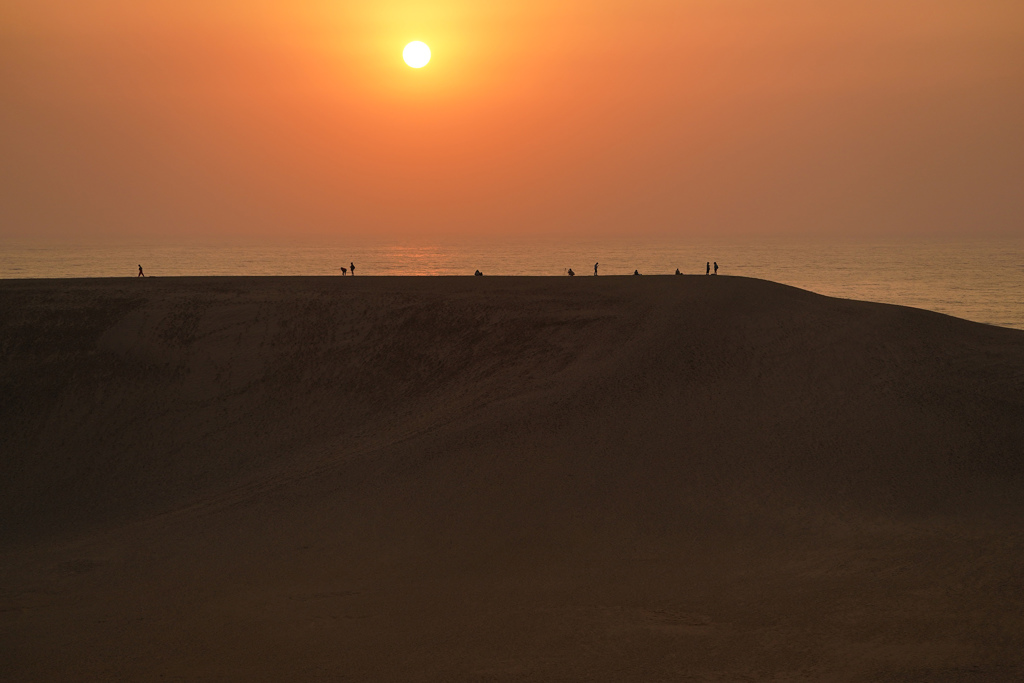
708,271
351,266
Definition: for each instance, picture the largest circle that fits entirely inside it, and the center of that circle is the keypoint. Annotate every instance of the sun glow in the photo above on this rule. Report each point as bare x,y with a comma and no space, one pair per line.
416,54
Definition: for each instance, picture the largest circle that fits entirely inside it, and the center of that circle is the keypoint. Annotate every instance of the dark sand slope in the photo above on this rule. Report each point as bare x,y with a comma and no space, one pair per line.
658,478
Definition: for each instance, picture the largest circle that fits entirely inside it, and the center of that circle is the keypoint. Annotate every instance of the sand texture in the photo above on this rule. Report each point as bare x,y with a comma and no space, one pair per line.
493,479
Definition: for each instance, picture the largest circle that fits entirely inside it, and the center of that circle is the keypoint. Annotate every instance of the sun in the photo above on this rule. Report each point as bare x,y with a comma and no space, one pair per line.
416,54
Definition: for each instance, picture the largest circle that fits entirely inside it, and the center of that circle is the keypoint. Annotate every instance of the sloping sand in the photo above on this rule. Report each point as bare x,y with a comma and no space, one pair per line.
615,478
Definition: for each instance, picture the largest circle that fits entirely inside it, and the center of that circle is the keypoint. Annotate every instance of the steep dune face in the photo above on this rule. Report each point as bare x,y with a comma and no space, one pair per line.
123,399
520,468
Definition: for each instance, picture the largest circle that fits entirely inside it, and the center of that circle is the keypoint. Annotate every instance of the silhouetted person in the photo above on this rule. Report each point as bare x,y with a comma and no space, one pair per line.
478,273
352,267
636,272
141,274
595,269
716,267
571,273
344,271
708,271
677,272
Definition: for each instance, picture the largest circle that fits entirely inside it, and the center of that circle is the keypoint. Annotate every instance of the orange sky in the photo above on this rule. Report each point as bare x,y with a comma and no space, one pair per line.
696,118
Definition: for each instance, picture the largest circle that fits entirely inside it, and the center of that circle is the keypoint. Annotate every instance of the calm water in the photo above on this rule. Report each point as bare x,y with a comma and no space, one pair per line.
981,281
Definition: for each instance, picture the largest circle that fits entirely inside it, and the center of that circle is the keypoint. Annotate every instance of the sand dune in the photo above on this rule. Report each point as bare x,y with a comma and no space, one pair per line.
615,478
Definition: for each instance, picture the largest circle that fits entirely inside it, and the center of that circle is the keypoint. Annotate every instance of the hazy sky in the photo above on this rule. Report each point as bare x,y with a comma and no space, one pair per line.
698,118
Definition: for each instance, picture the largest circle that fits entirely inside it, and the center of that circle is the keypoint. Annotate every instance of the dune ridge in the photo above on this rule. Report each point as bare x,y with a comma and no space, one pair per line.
606,478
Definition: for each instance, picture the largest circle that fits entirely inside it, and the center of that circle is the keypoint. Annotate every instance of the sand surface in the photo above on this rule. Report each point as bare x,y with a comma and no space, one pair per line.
652,479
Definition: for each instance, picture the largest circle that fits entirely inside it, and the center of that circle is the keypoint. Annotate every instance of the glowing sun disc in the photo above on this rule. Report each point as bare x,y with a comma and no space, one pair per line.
416,54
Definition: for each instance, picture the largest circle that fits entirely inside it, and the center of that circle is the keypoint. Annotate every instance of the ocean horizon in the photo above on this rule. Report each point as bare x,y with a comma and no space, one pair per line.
978,281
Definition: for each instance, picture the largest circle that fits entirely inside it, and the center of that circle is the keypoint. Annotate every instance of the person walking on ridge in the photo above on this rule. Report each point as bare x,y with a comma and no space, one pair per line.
716,267
595,269
141,274
708,270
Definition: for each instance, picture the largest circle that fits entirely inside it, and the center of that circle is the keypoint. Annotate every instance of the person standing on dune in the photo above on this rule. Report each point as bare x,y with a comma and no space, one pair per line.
141,274
716,267
352,267
708,270
595,269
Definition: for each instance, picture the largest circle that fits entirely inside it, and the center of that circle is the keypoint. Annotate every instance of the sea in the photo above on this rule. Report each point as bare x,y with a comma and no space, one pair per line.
979,280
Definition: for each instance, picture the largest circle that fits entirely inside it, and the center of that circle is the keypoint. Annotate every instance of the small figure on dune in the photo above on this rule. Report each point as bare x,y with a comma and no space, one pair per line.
141,274
716,267
636,272
352,267
478,273
571,273
344,271
595,269
677,272
708,271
